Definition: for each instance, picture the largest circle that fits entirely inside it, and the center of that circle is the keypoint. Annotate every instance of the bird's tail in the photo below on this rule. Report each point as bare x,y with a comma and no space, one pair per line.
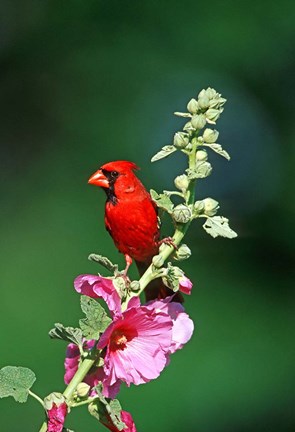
156,289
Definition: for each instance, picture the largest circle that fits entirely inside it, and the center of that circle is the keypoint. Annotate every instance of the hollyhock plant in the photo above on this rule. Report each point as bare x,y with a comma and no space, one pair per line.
133,342
136,345
99,287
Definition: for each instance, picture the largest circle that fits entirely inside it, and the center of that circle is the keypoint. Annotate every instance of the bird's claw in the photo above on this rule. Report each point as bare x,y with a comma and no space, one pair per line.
169,241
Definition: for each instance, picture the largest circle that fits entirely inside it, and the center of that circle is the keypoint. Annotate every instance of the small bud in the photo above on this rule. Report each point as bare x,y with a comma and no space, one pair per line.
213,114
199,207
203,102
188,127
158,261
181,213
201,155
181,182
202,94
198,121
180,140
54,398
135,286
217,102
82,389
211,93
210,136
193,106
182,253
210,206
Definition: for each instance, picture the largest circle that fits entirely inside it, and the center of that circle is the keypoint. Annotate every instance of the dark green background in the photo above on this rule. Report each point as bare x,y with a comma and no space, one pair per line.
85,82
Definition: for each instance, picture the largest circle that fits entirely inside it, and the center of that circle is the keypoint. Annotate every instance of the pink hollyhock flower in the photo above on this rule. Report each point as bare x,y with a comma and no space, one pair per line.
126,417
185,285
72,361
99,287
183,326
136,345
56,417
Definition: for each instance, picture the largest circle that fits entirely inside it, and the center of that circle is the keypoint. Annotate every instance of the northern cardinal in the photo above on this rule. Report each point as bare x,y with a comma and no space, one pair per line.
131,219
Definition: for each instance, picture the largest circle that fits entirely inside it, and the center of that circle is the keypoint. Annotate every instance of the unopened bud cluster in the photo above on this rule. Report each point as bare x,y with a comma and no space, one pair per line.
206,108
207,206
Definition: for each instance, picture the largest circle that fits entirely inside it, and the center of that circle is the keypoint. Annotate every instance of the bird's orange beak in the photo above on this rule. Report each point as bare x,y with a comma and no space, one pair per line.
99,179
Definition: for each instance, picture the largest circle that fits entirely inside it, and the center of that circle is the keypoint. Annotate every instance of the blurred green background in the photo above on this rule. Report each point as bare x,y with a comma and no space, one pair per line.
86,82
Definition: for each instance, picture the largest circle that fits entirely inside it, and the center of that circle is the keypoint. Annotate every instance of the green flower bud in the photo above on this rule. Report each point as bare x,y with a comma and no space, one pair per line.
193,106
182,253
198,121
202,94
181,213
158,261
217,102
180,140
212,114
188,127
82,389
199,207
135,286
210,206
181,182
201,155
211,93
203,102
210,136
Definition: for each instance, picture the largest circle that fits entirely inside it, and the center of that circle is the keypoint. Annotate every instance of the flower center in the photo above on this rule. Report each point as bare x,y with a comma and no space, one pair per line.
118,340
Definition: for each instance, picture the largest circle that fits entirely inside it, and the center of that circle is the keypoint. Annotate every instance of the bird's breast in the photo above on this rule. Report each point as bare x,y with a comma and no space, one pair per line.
133,225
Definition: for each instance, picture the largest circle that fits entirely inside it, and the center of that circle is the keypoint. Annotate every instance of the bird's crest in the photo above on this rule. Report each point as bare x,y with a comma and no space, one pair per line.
120,166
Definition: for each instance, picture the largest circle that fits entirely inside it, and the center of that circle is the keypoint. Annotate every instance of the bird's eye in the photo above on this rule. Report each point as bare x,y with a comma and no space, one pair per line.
114,174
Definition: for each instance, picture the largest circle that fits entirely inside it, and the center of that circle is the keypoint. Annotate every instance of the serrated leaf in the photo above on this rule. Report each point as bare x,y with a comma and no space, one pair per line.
218,226
218,149
69,334
96,320
164,152
162,200
203,169
104,261
16,382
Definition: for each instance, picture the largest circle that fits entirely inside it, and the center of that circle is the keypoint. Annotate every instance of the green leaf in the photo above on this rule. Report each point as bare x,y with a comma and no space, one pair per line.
203,169
162,200
218,226
218,149
164,152
115,410
104,261
69,334
16,382
96,320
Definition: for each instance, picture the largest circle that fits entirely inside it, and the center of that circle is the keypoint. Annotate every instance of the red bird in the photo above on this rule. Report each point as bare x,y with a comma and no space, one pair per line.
131,219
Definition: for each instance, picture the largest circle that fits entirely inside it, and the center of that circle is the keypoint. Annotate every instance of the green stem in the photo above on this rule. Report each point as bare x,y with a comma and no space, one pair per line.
36,397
